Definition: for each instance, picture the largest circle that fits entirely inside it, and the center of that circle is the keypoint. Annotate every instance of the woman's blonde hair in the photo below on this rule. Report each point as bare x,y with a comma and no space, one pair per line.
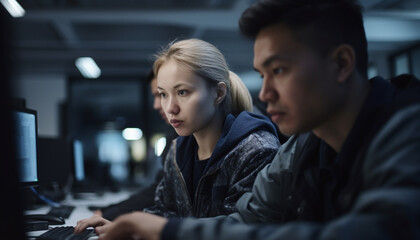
207,61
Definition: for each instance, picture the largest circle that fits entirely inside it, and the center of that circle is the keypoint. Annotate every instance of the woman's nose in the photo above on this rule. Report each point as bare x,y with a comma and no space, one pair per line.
173,107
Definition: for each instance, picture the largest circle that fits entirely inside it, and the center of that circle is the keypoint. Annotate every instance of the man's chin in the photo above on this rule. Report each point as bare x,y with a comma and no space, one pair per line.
288,131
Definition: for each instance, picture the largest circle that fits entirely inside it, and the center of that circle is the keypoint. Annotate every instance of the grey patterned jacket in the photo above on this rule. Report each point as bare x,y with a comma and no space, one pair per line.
248,143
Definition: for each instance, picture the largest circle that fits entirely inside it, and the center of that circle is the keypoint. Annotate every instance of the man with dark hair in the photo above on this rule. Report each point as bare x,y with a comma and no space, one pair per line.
351,168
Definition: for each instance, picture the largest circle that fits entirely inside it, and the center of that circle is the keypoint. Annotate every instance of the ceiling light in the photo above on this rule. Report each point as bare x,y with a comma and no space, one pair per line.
13,8
88,67
132,133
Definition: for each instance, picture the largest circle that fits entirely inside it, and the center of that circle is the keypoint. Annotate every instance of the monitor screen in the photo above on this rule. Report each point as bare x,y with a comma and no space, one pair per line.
79,169
25,132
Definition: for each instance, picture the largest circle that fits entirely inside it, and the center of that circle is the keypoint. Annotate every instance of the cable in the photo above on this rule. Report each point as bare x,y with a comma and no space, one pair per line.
45,199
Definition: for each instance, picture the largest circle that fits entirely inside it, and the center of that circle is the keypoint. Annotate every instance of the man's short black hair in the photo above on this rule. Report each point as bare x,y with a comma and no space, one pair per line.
321,24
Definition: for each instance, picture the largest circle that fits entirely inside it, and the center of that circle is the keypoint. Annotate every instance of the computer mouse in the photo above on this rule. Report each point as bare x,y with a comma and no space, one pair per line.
51,219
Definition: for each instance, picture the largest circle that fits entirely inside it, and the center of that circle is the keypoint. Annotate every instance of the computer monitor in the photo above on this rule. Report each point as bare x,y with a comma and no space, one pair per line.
25,132
54,166
82,186
78,161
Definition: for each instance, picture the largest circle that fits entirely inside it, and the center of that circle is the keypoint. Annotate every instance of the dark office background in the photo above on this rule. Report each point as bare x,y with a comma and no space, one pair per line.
122,36
10,205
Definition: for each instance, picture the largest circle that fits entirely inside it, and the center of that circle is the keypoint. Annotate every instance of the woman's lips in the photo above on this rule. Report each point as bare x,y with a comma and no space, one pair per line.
176,123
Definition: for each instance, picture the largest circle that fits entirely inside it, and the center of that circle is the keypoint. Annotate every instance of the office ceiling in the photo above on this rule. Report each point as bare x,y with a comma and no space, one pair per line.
123,35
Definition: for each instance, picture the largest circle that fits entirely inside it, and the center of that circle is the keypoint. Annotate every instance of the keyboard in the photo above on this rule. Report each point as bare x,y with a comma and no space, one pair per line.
63,211
66,233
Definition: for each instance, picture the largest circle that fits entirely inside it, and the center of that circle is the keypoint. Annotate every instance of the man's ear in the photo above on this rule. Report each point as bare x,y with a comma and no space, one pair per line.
221,92
345,58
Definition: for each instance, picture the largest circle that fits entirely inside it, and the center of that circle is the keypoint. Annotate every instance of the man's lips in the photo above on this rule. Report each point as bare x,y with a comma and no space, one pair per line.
276,116
176,123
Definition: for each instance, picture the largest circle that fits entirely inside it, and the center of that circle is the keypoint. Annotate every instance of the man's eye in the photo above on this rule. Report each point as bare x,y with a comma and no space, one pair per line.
278,70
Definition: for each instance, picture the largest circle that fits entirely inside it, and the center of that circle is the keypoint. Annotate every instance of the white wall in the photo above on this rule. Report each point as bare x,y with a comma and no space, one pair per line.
43,93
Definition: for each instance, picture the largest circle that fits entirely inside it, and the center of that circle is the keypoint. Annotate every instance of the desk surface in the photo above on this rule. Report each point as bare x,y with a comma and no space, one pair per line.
81,210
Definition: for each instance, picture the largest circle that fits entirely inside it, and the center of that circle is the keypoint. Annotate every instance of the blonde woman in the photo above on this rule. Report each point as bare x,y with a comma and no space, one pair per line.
221,146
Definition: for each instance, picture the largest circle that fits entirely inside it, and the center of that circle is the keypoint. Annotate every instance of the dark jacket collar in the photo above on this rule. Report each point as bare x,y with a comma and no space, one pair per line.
336,178
381,94
348,163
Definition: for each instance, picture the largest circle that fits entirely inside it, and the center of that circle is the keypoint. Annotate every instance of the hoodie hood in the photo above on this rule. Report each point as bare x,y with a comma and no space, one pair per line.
234,130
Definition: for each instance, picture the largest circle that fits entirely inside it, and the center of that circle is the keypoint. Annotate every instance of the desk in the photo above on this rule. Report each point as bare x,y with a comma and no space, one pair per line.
81,210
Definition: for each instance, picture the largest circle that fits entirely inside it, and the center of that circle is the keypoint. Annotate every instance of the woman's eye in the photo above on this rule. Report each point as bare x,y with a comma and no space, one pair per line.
162,95
182,92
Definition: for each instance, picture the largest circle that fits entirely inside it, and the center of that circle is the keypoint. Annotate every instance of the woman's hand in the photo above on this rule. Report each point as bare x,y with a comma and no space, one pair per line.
93,221
136,225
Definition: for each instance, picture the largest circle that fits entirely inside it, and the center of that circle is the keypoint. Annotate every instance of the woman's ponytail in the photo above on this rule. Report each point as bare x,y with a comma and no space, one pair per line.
240,97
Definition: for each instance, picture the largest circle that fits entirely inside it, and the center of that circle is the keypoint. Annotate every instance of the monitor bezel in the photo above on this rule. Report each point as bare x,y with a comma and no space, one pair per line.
33,112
